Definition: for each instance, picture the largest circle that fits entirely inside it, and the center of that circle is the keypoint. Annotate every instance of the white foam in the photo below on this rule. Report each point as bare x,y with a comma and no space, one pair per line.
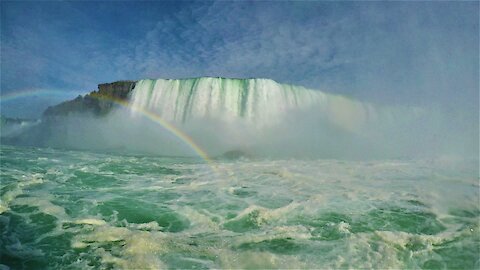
90,221
288,200
22,183
44,205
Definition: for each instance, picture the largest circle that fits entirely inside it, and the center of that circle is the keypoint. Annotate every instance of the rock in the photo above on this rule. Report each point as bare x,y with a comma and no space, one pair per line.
98,102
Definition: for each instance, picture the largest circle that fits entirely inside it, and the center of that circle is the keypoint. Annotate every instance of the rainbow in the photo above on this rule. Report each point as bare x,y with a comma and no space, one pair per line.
165,124
146,113
33,92
171,128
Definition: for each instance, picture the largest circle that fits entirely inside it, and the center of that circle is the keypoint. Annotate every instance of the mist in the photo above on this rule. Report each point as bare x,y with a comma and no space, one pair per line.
389,132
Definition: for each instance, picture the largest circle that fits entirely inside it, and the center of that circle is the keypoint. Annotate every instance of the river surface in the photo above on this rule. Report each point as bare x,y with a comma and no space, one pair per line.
83,210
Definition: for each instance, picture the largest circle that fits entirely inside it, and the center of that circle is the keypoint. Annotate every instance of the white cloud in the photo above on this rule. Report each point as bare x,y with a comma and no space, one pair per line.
384,52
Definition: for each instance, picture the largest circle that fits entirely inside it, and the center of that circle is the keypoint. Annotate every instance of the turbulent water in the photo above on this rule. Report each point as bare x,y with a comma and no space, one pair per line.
71,209
129,201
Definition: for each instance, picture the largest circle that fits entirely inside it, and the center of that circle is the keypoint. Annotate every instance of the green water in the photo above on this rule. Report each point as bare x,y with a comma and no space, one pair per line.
70,210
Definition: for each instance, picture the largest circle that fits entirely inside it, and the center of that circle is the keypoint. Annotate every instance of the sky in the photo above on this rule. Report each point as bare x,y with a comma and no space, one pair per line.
391,53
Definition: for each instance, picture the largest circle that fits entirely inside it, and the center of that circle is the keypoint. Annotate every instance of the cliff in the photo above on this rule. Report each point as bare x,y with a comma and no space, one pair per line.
97,102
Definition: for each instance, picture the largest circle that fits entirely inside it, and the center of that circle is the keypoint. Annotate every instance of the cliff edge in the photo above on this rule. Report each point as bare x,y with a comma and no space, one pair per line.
97,102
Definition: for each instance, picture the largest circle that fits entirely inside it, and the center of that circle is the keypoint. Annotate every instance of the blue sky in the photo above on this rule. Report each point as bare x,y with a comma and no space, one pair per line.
410,53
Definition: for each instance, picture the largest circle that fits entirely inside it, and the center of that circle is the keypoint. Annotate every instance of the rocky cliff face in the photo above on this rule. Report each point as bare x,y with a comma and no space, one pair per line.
97,102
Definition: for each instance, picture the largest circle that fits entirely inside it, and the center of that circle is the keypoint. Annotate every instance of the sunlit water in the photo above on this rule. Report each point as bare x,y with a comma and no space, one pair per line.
70,209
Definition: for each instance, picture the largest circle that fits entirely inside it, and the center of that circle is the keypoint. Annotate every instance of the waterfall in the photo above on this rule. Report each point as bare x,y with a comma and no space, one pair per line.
261,102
